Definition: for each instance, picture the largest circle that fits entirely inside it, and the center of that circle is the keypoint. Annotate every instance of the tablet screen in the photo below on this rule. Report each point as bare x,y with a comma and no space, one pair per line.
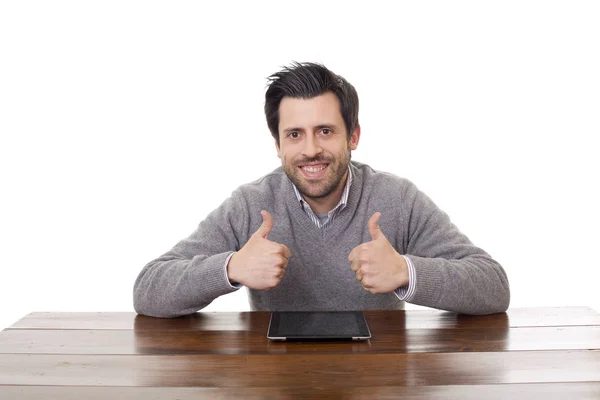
318,325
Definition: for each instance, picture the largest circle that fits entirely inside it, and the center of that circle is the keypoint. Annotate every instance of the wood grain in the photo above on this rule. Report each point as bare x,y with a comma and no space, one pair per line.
546,391
301,370
251,321
550,353
239,342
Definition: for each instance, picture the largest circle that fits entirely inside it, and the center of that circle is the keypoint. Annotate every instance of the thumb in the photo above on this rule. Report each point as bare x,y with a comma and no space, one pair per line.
264,230
374,228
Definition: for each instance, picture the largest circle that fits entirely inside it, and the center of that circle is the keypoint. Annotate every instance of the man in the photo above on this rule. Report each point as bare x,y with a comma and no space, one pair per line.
322,232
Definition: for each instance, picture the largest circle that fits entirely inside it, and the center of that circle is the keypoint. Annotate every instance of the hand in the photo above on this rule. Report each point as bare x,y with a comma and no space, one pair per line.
261,263
377,265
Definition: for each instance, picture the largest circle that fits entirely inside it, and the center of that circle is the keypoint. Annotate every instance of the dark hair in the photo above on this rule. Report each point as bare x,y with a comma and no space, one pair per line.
305,81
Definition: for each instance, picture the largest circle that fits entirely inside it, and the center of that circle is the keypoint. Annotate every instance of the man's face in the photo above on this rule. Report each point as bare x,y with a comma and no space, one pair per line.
313,144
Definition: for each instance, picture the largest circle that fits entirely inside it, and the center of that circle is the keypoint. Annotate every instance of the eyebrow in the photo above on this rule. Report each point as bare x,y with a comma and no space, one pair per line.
320,126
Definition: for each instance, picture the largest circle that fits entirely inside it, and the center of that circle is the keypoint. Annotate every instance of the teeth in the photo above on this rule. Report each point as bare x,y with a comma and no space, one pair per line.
314,169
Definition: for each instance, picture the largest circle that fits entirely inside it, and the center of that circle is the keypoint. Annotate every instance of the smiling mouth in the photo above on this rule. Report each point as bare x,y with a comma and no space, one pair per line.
314,170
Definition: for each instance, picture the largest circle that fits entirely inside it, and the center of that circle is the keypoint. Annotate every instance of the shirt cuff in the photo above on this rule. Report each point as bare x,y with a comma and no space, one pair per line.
233,285
406,293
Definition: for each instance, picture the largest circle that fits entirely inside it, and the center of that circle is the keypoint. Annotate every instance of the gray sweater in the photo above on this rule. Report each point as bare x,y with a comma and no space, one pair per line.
451,273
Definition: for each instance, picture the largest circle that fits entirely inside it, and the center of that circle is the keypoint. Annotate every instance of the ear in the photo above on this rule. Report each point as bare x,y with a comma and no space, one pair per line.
353,142
278,149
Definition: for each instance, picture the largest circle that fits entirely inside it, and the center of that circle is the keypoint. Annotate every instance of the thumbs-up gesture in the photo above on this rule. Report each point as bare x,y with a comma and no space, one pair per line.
377,265
261,263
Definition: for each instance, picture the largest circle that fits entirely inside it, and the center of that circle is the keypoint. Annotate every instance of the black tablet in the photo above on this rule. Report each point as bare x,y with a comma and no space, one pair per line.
318,325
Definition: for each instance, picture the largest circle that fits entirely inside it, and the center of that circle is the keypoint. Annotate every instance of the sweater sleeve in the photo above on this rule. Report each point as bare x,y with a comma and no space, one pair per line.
193,273
451,273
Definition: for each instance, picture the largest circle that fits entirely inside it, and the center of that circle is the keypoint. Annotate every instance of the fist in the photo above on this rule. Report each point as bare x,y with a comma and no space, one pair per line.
261,263
377,265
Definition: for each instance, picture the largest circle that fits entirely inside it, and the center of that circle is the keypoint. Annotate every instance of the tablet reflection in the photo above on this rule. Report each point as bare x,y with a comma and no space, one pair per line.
319,346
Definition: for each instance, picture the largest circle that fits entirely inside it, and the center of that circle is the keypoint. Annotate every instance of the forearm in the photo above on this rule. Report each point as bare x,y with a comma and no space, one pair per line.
473,285
193,274
451,272
171,286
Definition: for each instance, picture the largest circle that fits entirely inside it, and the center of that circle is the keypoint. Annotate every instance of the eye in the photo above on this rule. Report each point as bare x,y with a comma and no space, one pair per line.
294,135
326,131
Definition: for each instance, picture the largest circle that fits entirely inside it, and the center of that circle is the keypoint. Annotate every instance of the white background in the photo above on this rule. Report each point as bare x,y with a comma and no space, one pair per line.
123,124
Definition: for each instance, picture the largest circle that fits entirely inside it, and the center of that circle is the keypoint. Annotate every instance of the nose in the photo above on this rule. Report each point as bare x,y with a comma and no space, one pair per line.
312,147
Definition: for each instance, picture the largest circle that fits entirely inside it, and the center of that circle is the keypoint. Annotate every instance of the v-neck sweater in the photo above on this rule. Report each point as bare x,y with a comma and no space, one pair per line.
451,273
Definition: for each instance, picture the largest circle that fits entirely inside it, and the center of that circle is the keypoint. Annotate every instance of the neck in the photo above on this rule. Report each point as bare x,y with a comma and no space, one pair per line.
323,205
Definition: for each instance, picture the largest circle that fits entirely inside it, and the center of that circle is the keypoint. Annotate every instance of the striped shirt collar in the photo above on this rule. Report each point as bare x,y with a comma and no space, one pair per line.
331,214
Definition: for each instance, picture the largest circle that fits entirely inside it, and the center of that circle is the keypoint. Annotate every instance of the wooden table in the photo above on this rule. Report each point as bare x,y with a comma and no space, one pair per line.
524,353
